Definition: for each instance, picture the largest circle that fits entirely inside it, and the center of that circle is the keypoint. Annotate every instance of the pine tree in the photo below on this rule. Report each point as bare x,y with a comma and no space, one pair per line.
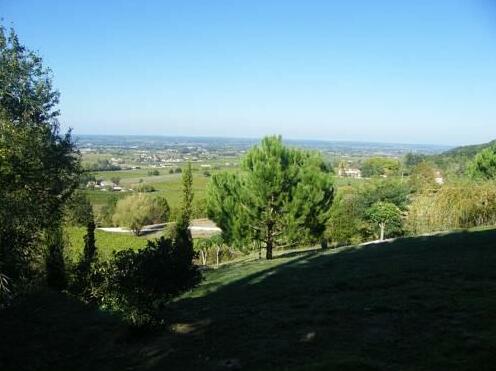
282,198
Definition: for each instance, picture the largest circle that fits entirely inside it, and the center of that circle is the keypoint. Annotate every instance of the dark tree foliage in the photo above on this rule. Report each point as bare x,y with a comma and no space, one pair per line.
182,233
39,166
78,210
82,283
140,282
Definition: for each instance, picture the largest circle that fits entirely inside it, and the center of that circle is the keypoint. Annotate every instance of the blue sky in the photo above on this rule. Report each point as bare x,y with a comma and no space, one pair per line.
420,71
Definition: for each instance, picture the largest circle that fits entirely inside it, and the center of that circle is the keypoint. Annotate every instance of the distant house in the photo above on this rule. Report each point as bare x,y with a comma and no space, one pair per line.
350,173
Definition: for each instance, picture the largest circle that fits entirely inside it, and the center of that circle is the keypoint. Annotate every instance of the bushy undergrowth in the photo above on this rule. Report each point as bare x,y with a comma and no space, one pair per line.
459,205
137,284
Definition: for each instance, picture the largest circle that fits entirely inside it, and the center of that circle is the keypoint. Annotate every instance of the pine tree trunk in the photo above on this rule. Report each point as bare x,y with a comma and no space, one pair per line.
382,230
323,243
218,251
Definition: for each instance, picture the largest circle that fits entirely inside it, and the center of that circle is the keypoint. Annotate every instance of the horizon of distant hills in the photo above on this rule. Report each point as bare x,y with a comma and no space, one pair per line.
241,144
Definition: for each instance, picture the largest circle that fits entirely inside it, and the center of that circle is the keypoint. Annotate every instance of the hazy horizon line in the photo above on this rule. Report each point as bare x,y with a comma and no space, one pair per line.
284,138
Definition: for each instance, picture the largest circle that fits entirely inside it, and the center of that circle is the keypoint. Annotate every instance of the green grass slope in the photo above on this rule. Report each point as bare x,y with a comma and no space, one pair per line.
425,303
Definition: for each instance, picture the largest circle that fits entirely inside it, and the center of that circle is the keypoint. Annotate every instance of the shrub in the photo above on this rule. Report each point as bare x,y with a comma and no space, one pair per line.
139,210
137,284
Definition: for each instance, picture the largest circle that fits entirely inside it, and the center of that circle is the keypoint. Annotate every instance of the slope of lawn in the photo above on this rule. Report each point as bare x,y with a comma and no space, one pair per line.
425,303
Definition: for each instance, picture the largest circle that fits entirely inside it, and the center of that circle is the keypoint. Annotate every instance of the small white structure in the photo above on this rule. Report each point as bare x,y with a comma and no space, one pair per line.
350,173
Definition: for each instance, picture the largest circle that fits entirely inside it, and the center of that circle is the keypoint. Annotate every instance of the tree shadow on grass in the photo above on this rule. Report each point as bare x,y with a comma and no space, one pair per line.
47,330
415,303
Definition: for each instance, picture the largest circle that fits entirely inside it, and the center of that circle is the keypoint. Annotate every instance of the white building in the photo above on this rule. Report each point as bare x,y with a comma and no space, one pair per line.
350,173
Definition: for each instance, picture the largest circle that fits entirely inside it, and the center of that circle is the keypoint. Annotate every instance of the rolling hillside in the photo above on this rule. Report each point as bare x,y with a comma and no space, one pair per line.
425,303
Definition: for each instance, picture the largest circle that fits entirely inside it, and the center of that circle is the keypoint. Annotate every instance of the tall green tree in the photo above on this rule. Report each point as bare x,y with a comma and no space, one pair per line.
39,165
282,197
183,239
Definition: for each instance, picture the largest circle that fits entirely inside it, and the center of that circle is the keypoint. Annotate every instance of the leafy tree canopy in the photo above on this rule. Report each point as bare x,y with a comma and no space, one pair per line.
384,214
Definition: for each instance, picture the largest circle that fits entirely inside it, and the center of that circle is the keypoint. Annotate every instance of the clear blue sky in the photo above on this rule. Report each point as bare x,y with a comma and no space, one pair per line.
419,71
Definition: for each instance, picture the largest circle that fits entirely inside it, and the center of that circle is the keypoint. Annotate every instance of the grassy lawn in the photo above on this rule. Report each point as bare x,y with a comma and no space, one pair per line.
424,303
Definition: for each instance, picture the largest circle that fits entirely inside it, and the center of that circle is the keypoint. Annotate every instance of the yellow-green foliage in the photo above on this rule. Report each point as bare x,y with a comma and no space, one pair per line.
139,210
459,205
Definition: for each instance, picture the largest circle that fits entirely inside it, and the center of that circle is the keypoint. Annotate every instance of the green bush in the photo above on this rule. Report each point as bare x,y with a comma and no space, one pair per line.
139,210
137,284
